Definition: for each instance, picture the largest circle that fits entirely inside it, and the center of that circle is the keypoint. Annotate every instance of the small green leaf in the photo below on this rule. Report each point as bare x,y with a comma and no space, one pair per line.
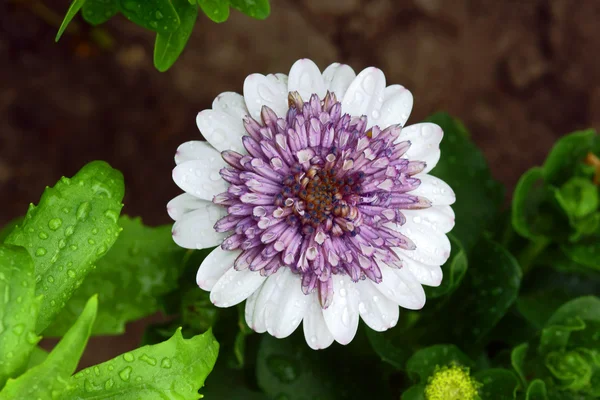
156,15
74,225
498,384
258,9
422,364
216,10
73,10
464,168
97,12
517,360
490,288
169,45
578,197
143,265
537,390
566,154
416,392
454,271
18,311
534,214
174,369
571,368
48,380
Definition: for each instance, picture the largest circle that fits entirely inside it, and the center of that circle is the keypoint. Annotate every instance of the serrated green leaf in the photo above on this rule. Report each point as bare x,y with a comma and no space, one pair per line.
216,10
97,12
422,364
73,226
498,384
48,380
566,154
537,390
169,45
517,360
258,9
454,271
143,264
464,168
73,10
174,369
490,288
156,15
18,311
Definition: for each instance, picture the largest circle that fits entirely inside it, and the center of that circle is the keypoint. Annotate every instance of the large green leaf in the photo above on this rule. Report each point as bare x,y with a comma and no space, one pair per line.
157,15
566,154
422,364
73,10
464,168
18,311
48,380
498,384
216,10
174,369
73,226
258,9
97,12
169,45
143,265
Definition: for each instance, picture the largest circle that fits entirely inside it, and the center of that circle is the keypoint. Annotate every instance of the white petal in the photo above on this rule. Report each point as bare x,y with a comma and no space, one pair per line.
290,306
400,286
271,91
440,218
222,131
379,312
306,79
195,230
365,95
183,204
214,266
196,150
433,246
434,189
341,316
316,332
266,302
396,108
250,307
337,78
235,286
430,275
201,178
425,141
231,103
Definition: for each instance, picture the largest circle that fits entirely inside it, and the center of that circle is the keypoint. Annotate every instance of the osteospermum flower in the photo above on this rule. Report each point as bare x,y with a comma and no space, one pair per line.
319,199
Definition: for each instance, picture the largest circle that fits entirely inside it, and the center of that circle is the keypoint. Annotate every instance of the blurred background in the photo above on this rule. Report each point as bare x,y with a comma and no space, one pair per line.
519,73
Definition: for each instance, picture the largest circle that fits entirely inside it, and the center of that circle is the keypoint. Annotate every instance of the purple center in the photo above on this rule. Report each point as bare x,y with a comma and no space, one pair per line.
318,193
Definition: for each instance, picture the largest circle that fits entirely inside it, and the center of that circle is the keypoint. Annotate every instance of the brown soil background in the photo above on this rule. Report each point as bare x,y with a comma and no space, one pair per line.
519,73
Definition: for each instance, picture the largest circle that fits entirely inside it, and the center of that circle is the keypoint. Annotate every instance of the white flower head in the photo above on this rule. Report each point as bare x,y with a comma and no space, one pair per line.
319,199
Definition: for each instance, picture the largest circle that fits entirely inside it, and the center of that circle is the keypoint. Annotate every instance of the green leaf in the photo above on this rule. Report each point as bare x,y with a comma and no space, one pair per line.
534,214
517,360
464,168
491,287
454,271
156,15
73,10
37,356
422,364
387,346
74,225
18,311
585,252
537,307
416,392
216,10
537,390
143,265
174,369
258,9
571,368
169,45
566,154
586,308
498,384
48,380
97,12
578,197
8,228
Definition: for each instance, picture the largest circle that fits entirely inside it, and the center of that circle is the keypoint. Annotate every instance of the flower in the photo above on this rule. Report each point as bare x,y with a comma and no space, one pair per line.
451,383
320,200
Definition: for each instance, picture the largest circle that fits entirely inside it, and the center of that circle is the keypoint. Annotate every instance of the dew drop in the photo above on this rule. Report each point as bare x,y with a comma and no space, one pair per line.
346,317
148,360
43,235
165,363
83,211
125,374
50,279
69,230
19,329
108,384
158,15
128,357
40,252
71,273
62,243
112,215
73,247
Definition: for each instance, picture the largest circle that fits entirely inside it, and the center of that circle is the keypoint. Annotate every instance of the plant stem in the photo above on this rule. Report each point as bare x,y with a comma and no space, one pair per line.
528,255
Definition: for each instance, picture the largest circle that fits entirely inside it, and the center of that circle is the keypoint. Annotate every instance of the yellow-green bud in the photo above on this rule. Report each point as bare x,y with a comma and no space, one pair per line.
451,383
